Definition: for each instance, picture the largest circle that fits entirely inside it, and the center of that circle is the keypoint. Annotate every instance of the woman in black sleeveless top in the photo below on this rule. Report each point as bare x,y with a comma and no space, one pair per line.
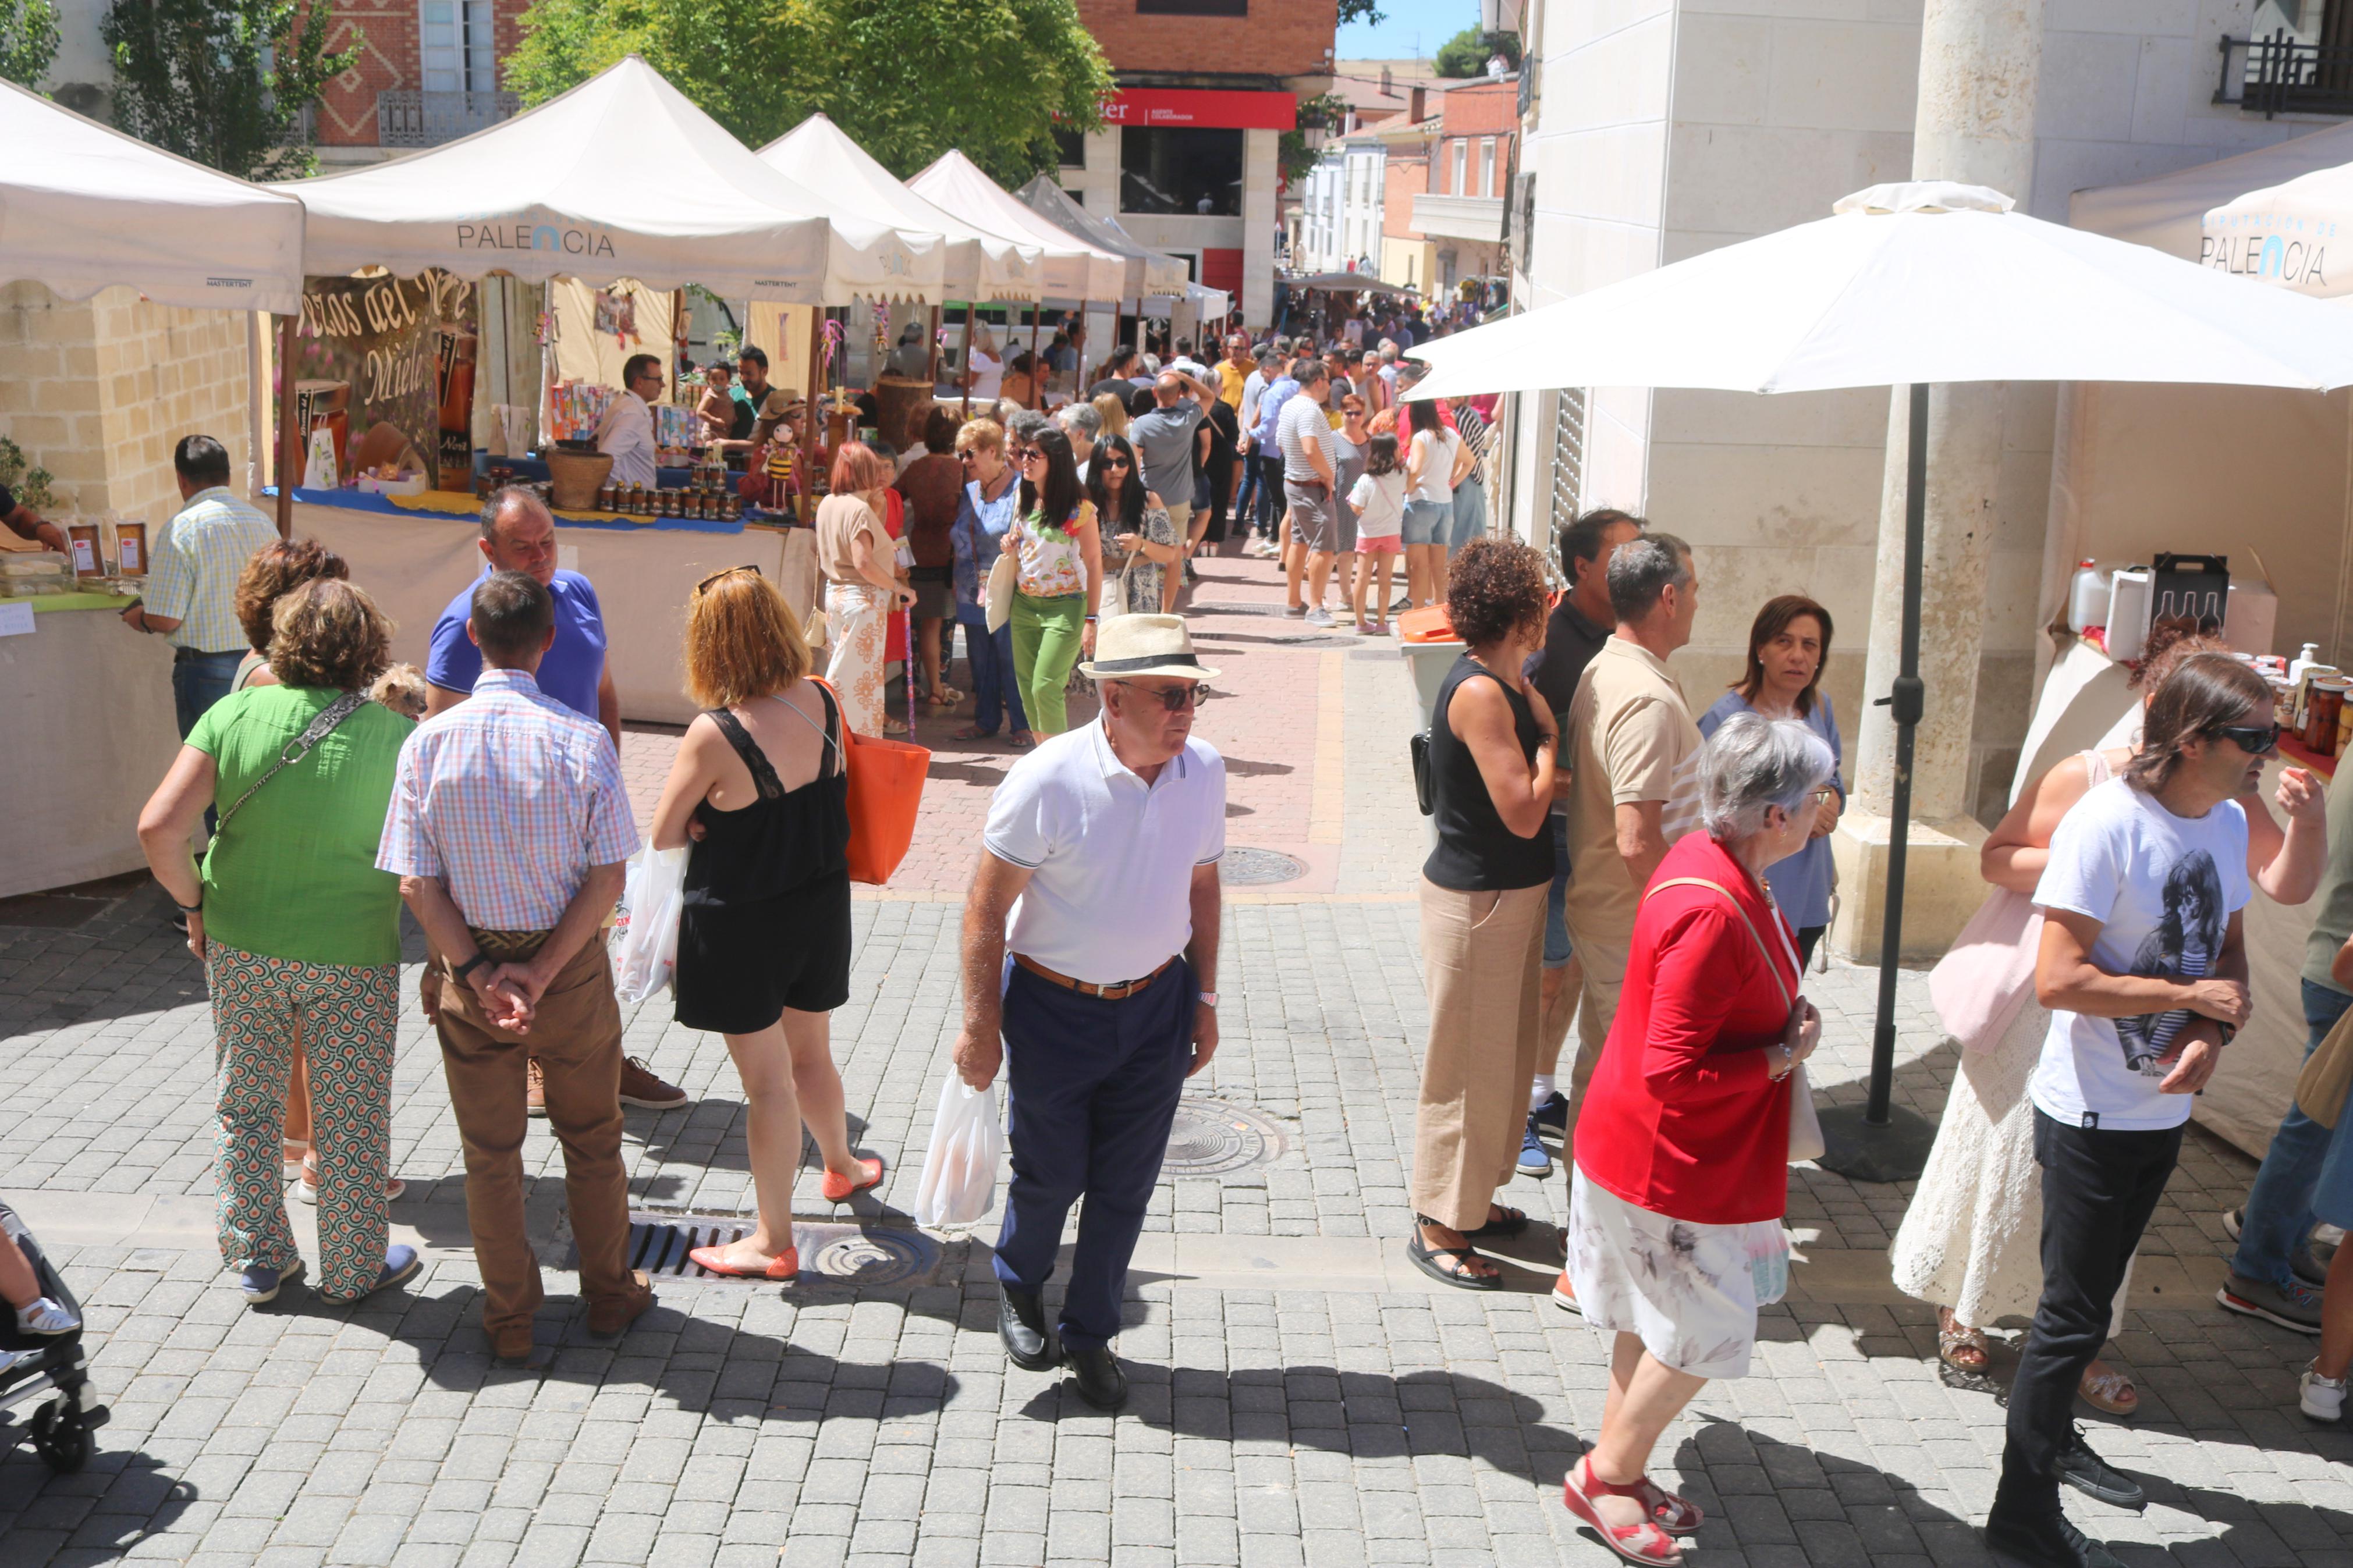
761,789
1493,756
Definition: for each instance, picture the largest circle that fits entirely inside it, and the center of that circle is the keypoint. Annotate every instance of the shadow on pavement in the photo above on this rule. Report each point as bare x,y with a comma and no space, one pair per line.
96,1515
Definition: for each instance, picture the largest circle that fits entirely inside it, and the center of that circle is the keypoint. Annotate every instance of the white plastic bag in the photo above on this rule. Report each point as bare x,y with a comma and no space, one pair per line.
645,938
959,1180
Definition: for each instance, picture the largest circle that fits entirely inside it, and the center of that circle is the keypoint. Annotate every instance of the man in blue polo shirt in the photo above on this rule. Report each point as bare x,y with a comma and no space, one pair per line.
519,535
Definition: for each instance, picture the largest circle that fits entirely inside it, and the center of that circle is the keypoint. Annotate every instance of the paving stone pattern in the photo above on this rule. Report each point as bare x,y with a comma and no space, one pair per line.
830,1425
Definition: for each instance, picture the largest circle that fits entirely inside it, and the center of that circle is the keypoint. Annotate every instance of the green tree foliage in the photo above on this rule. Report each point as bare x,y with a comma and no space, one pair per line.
222,82
1368,12
1326,111
907,80
1465,54
28,39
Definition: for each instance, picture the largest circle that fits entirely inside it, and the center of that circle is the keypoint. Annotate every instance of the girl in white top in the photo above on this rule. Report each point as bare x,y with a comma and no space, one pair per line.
1379,499
986,371
1435,460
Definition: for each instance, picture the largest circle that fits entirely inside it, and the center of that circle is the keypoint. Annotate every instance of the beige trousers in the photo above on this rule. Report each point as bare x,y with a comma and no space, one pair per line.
1601,961
1482,959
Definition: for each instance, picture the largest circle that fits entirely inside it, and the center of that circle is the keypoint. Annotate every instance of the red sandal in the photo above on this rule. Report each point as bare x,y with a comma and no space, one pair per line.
784,1267
1647,1542
841,1189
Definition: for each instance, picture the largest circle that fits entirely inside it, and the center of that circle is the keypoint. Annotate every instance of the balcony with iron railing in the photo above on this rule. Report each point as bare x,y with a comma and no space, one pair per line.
2284,74
409,117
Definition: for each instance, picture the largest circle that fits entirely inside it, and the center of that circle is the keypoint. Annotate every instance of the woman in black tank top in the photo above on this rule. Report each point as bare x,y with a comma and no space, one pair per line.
1491,764
764,934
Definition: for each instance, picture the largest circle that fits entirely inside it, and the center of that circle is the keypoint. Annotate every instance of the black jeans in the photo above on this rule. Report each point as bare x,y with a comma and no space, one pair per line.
2099,1189
1270,494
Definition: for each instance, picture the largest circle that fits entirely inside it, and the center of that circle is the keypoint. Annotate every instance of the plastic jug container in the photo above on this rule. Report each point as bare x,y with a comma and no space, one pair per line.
2088,596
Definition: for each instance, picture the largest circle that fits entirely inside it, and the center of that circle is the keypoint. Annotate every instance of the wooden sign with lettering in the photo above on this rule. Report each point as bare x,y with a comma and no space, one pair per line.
381,352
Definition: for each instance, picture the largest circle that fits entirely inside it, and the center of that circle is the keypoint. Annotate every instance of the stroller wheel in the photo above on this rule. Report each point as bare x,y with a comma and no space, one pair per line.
61,1438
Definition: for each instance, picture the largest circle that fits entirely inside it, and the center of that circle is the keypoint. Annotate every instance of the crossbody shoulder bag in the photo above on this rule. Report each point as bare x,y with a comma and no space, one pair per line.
295,750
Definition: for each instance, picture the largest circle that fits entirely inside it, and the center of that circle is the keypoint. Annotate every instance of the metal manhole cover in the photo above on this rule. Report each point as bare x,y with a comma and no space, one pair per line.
1246,867
1212,1138
661,1243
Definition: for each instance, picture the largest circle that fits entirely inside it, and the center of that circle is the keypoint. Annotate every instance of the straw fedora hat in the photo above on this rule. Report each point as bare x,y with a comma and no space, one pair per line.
1128,646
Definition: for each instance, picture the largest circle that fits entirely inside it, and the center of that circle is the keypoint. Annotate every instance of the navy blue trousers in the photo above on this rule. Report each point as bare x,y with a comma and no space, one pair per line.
1093,1086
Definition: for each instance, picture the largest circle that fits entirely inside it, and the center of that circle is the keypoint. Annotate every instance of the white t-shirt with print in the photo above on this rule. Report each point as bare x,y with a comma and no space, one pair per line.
2164,887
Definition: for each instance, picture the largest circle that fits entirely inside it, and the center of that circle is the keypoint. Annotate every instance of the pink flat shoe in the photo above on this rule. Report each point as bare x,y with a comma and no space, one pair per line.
841,1189
784,1267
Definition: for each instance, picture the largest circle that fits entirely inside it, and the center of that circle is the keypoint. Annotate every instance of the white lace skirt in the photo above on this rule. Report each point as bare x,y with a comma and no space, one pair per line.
1972,1238
1690,1292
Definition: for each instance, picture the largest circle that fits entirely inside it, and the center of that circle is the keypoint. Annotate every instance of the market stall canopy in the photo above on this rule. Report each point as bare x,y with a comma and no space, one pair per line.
978,266
2167,213
2289,236
1908,283
621,177
1209,305
1345,283
83,207
1147,271
1075,268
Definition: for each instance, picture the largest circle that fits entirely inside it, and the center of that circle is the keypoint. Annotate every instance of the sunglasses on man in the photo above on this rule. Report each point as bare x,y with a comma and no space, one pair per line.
2255,740
1172,699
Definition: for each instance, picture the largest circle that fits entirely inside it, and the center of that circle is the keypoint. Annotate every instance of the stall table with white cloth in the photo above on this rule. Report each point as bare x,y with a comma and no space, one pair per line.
414,553
88,733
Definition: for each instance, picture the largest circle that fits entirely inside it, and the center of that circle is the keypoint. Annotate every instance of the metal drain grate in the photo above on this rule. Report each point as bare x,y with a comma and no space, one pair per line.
1213,1138
1244,867
842,1254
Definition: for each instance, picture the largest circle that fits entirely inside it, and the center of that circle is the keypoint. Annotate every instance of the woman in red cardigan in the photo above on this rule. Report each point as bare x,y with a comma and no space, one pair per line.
1675,1209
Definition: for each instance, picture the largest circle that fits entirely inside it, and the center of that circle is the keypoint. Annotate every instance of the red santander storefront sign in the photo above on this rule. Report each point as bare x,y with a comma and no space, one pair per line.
1205,108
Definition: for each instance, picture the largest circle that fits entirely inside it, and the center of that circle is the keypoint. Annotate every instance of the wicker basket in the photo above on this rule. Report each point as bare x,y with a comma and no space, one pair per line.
575,477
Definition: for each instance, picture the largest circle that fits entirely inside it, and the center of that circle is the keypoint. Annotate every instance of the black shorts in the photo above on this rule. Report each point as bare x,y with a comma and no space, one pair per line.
739,967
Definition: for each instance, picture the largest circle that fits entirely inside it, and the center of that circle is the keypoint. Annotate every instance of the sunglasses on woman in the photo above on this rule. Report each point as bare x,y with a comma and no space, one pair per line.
1115,461
722,571
1024,454
2255,740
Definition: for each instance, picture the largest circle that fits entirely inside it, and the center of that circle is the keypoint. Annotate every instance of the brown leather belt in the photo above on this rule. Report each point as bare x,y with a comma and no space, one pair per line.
1123,989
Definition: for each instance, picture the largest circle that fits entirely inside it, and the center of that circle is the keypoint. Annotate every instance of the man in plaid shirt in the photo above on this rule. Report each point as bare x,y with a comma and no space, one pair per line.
509,830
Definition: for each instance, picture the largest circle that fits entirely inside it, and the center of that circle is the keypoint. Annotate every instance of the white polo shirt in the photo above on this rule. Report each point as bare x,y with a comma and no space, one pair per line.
1113,858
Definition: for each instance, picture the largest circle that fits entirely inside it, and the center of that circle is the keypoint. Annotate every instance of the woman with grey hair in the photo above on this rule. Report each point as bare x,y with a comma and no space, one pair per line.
1084,425
1682,1148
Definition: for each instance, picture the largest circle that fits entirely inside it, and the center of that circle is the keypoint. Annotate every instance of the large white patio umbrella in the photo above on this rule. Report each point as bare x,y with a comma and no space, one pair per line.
1906,284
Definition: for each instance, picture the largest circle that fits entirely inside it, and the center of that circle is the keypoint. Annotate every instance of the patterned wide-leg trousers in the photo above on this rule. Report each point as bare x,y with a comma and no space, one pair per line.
348,1015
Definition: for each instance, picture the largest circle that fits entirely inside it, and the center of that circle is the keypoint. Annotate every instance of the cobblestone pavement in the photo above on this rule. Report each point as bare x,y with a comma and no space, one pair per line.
1301,1398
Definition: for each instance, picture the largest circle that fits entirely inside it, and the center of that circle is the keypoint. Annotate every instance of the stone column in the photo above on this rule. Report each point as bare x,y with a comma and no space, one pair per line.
1979,63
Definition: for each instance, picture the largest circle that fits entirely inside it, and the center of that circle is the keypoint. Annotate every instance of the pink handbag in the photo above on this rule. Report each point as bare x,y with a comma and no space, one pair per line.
1987,974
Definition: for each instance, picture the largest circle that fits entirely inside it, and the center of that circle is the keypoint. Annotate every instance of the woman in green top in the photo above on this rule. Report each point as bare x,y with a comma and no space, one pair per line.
297,928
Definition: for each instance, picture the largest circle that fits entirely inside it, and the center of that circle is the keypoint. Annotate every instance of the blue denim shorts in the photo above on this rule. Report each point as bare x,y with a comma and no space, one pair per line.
1470,512
1556,951
1429,521
2332,1195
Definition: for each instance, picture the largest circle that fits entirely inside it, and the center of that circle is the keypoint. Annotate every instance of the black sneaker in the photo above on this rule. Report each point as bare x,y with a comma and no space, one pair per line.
1553,1112
2054,1543
2095,1477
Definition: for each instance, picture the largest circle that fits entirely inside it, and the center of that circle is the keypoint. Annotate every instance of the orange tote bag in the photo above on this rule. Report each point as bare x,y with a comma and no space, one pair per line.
886,791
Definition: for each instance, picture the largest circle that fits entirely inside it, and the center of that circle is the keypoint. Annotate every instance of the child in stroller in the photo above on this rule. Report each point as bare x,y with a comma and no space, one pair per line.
40,1351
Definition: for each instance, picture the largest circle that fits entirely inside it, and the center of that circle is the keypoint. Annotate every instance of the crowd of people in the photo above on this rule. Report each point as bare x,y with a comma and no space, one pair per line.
1608,855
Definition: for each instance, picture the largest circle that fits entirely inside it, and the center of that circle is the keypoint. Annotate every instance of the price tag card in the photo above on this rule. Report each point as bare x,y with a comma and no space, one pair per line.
16,619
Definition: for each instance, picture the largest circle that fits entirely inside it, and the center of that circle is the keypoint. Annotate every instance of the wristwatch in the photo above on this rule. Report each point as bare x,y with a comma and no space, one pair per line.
1208,999
472,964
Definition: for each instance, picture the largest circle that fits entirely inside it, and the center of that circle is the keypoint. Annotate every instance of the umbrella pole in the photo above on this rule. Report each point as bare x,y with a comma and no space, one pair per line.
290,439
1883,1143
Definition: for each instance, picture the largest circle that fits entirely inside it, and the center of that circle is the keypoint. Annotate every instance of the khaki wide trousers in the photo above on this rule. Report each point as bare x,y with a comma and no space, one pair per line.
1481,960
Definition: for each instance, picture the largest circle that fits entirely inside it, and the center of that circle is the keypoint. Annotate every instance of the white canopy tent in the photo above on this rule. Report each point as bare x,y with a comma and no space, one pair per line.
2167,213
1907,284
1074,268
2283,235
1142,271
621,177
979,265
83,207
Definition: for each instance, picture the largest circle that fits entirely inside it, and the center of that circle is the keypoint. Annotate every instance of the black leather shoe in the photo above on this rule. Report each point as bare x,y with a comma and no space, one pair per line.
1021,1324
2094,1477
1096,1374
2052,1543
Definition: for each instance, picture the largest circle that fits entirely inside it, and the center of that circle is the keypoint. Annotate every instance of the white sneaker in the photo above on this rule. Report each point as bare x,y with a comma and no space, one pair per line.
2322,1398
46,1317
1319,616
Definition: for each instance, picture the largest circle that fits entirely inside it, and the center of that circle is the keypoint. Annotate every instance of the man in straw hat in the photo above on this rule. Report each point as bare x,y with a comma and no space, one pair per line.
1091,949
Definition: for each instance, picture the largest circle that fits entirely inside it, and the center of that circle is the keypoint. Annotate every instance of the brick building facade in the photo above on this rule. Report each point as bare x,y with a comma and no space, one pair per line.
427,73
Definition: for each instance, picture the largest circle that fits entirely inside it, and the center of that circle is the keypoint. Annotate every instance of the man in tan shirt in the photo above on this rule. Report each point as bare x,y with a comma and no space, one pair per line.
1635,788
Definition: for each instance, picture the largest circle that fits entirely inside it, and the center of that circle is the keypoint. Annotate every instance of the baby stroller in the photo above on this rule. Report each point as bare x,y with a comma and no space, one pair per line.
60,1428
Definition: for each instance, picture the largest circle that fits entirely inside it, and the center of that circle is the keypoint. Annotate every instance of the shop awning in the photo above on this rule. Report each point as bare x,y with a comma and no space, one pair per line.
2290,235
1147,271
1075,268
83,207
621,177
979,265
1344,283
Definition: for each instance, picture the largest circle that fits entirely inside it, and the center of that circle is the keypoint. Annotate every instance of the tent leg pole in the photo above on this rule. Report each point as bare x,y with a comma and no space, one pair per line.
964,374
1037,382
290,439
932,364
1885,1143
809,413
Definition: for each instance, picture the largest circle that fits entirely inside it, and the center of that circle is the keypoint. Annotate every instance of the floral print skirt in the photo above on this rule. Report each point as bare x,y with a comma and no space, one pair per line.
1689,1291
